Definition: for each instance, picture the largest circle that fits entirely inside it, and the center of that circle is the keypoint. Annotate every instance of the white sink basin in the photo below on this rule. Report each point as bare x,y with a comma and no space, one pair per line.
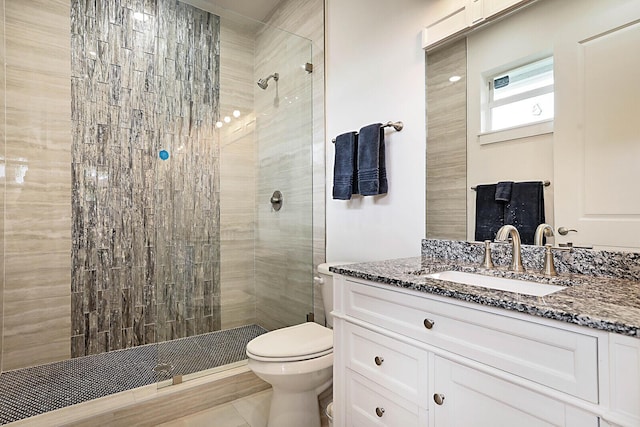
499,283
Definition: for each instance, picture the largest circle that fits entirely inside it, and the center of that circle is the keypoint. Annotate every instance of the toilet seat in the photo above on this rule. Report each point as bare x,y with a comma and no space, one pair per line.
294,343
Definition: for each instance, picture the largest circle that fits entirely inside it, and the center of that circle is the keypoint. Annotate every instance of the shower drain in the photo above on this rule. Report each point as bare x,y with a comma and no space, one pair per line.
163,367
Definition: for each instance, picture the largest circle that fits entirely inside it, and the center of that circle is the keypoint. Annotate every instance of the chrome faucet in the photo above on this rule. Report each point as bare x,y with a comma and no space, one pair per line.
503,235
543,230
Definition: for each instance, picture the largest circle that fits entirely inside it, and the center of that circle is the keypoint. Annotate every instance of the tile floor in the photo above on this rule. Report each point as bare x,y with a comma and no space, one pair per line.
250,411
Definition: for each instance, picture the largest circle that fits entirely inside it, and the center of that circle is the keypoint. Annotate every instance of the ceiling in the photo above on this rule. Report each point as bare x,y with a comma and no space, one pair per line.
255,9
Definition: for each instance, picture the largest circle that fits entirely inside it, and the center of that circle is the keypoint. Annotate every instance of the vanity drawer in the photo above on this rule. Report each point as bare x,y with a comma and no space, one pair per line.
396,366
559,358
371,405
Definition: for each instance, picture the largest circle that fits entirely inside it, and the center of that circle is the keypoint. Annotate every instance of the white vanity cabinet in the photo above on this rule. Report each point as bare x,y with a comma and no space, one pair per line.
406,358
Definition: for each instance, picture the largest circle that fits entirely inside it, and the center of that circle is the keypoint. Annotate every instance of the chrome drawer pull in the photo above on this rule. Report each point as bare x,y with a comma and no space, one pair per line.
438,398
428,323
379,411
378,360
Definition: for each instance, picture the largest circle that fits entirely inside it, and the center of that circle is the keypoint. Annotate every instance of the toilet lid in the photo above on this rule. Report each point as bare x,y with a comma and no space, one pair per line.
298,342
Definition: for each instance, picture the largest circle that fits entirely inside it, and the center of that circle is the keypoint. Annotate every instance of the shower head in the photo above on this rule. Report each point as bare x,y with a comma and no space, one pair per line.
263,83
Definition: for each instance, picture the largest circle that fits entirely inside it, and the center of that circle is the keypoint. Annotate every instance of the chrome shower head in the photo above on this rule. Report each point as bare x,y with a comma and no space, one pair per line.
263,83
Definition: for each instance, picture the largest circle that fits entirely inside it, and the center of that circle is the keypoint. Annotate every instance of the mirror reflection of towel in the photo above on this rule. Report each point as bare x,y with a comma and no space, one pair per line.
503,191
525,210
489,213
372,172
345,181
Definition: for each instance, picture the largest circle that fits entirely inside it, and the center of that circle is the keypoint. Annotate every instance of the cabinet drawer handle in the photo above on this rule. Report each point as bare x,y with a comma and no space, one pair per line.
428,323
438,398
378,360
379,411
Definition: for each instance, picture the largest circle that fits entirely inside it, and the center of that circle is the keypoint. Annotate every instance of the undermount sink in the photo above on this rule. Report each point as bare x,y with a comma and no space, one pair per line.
498,283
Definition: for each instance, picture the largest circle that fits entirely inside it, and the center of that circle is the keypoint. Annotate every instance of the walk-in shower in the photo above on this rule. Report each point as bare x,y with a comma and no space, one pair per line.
138,159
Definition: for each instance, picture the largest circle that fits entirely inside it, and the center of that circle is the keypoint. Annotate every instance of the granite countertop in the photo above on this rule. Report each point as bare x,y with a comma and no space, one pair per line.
606,303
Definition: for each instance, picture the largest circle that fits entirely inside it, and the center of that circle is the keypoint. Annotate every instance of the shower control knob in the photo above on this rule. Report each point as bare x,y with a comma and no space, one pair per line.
563,231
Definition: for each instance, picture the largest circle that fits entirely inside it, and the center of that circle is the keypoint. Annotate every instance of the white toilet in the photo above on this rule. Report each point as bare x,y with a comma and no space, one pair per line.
298,363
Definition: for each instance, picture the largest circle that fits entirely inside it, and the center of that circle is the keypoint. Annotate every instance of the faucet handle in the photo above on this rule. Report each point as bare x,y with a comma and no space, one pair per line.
549,267
487,262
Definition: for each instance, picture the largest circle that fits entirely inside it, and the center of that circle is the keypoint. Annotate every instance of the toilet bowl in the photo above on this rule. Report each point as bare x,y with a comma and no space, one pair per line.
298,363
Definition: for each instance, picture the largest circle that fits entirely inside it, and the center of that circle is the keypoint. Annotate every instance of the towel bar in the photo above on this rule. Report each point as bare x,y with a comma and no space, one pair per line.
396,125
546,183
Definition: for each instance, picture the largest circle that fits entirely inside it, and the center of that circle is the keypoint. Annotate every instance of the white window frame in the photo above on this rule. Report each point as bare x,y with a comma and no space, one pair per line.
540,127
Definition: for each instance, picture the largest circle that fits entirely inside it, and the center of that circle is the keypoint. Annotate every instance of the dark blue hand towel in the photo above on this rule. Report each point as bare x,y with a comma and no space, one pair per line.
345,181
525,210
372,172
503,191
489,213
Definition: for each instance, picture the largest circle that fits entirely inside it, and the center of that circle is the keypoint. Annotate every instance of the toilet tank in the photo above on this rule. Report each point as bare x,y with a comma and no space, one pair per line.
325,280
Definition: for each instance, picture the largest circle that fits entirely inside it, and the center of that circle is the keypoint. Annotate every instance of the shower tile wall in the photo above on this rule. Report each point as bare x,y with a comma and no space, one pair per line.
284,252
237,174
146,257
37,175
306,18
3,165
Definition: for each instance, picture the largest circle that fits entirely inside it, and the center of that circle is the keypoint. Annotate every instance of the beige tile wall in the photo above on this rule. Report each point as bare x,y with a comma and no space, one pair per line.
3,164
447,143
282,272
38,185
237,175
306,18
284,250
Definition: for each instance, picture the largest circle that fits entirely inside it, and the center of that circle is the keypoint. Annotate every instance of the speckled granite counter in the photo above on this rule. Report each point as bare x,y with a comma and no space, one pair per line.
607,299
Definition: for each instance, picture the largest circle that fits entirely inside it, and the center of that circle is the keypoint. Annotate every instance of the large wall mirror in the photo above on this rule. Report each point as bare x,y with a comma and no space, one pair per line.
591,152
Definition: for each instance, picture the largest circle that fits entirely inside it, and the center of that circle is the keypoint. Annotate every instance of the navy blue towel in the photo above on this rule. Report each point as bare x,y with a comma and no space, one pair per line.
525,210
489,212
372,171
503,191
345,181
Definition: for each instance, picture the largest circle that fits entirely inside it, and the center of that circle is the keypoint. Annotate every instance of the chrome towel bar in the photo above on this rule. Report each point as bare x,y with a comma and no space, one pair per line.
546,183
396,125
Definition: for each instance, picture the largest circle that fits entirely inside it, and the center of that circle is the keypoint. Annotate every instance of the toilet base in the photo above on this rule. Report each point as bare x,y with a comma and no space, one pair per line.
294,409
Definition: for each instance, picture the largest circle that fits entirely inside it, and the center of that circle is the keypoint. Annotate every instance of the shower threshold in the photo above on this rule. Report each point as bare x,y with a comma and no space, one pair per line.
32,391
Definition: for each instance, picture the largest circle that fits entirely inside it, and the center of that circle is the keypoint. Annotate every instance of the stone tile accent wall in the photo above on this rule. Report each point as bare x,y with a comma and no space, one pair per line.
146,236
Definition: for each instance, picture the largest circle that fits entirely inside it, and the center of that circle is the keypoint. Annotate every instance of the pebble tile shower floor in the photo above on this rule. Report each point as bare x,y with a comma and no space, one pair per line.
32,391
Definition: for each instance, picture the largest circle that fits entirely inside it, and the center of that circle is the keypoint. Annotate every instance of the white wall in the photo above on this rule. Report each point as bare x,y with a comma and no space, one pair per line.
376,73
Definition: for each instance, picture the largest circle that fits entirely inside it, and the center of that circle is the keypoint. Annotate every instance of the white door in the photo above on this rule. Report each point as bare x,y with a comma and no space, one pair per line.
469,398
597,129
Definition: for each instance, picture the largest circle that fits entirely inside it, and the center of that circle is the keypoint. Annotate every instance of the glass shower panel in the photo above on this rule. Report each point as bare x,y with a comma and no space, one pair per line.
223,256
284,155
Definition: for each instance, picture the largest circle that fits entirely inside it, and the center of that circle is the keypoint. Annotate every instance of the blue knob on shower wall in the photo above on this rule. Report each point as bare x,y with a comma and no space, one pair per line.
164,154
